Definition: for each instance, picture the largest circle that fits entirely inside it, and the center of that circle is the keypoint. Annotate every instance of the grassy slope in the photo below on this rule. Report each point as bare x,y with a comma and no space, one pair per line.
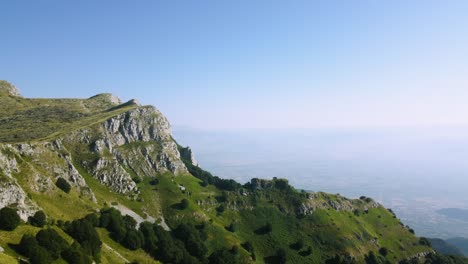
29,120
326,231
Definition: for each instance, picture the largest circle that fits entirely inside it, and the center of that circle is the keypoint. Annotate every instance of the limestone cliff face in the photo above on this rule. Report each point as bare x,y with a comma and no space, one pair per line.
34,168
116,151
137,143
11,193
7,88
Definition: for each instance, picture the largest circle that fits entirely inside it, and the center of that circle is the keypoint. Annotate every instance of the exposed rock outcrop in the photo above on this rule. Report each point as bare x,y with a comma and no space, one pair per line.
107,98
136,143
259,184
13,195
317,201
7,88
10,192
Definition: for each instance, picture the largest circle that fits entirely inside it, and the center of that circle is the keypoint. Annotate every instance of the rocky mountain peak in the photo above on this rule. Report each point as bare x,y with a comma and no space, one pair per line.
7,88
107,98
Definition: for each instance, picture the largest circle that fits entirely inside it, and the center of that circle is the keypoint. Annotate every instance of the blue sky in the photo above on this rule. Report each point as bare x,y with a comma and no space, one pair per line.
248,64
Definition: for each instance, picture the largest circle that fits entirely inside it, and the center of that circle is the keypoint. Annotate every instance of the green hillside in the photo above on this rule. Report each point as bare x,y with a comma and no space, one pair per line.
174,212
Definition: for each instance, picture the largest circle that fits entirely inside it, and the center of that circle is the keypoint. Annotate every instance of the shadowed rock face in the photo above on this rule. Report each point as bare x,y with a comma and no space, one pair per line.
7,88
187,153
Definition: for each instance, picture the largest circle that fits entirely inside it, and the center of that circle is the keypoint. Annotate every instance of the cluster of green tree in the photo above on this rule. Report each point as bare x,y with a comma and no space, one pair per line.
84,232
277,192
208,178
160,244
48,246
9,219
122,229
185,244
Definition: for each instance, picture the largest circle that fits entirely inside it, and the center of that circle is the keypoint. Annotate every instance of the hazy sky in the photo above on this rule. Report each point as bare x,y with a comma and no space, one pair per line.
248,64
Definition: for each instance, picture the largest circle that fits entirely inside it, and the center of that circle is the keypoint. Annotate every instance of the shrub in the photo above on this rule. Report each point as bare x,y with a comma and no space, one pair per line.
192,239
39,255
298,245
113,221
220,209
371,258
184,204
74,255
232,227
248,246
306,252
136,179
150,239
30,248
52,241
383,251
223,256
92,219
281,256
63,185
39,219
264,229
170,250
85,234
27,245
133,239
154,181
9,219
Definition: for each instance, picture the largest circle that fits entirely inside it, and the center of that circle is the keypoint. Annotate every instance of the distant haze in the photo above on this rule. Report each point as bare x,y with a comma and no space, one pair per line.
415,171
249,64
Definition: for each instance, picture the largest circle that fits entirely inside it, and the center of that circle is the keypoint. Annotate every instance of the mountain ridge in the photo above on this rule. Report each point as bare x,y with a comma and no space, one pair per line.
122,155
